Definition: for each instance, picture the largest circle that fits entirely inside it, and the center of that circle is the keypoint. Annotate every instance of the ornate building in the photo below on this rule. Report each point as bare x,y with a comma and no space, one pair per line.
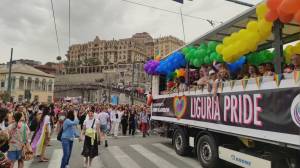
116,63
165,45
99,55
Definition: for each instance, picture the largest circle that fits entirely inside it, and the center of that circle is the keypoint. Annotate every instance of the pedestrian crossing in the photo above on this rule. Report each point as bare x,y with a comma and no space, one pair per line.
155,155
158,155
122,157
158,161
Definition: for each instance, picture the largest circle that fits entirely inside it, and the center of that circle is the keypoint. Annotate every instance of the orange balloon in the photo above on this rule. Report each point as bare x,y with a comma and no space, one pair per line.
297,17
273,4
286,18
271,16
289,6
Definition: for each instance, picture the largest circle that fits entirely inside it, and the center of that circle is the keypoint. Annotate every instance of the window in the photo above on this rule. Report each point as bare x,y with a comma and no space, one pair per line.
37,84
44,85
49,99
20,98
50,86
36,98
29,83
21,82
2,84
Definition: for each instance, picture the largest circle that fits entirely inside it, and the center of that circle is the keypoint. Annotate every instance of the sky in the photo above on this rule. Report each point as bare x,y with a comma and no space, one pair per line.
28,27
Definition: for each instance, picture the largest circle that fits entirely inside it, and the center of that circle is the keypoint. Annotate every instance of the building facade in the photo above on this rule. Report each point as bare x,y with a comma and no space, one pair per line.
27,83
166,45
116,63
99,55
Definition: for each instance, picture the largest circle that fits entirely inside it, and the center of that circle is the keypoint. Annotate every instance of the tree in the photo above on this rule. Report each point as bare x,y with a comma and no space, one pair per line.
79,62
66,63
4,96
97,62
85,61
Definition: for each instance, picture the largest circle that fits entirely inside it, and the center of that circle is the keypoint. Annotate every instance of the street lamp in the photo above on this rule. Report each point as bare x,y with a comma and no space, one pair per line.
58,58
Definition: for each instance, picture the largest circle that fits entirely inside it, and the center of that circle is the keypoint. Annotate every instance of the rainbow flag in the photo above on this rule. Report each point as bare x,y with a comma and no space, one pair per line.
244,83
296,76
278,78
258,81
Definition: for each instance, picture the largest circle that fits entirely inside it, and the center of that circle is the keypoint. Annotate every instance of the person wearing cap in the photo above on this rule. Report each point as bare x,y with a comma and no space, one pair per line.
296,62
212,80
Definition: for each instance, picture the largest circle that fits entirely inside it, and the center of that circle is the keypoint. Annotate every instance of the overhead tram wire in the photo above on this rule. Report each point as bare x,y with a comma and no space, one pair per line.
55,27
69,23
210,21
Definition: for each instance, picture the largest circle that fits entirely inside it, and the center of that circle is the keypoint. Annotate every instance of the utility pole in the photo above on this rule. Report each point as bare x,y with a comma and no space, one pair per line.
132,81
9,73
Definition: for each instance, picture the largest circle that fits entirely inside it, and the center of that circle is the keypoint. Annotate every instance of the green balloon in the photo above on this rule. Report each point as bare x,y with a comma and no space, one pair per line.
197,63
212,45
202,53
212,57
185,51
203,46
206,60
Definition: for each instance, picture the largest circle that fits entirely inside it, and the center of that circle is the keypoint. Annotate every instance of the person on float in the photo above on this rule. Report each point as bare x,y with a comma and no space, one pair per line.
296,62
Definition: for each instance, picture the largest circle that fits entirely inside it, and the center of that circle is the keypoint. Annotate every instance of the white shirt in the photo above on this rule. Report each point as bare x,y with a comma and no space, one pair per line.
2,126
48,122
103,118
89,122
115,116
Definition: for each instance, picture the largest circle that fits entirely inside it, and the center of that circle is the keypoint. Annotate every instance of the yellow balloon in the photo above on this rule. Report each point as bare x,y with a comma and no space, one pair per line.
226,51
296,49
235,36
252,26
289,50
219,48
227,40
261,10
297,45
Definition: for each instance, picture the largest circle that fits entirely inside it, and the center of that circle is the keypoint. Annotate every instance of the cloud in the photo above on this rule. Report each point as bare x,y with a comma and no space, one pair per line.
27,26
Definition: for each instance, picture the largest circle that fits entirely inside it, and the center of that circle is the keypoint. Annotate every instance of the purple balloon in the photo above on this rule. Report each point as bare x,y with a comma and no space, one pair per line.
150,67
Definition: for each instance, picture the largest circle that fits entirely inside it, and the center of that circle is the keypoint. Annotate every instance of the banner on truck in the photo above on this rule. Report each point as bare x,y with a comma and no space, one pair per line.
275,110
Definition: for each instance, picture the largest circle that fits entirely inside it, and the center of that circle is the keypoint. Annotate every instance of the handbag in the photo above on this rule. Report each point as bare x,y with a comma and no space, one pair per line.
27,153
60,134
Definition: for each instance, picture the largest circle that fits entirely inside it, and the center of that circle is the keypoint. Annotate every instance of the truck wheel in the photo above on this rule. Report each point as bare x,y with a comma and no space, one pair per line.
180,142
207,152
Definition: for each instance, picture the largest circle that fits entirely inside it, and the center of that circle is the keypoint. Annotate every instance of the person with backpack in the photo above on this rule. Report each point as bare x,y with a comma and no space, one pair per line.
91,133
18,132
68,134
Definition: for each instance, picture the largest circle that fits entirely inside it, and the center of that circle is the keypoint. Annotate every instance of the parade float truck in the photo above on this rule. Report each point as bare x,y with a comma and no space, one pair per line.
253,123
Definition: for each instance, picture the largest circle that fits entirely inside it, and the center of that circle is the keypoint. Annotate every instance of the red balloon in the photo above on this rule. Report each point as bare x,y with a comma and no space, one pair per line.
286,18
297,17
289,6
273,4
271,16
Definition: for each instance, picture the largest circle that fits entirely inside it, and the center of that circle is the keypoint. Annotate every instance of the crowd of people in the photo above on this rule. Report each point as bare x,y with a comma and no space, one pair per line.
26,129
210,76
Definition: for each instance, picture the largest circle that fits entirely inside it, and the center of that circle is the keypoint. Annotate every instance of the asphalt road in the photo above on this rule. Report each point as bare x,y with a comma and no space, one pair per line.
124,152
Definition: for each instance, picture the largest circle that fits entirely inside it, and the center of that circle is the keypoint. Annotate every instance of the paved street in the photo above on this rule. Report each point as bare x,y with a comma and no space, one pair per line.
124,152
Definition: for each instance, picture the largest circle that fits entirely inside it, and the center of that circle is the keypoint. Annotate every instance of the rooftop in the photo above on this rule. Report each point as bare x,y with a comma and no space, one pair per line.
24,69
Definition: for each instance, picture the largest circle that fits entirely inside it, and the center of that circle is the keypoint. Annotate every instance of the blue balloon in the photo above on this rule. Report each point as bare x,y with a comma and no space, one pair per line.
237,66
